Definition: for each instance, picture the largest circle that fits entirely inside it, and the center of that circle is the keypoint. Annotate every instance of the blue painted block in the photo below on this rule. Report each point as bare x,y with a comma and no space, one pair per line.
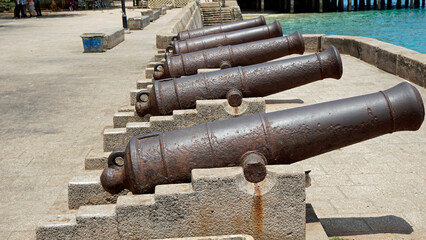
92,42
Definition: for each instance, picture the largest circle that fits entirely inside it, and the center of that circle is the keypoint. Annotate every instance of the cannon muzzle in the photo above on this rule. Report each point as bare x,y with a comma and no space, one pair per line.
230,56
252,141
227,27
257,80
227,38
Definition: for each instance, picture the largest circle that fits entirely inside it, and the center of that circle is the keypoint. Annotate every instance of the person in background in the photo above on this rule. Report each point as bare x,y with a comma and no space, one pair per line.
24,4
17,9
37,7
31,8
72,5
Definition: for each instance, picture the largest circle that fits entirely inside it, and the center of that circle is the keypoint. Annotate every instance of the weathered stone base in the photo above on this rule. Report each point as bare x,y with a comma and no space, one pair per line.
217,202
87,190
143,83
126,115
206,111
138,23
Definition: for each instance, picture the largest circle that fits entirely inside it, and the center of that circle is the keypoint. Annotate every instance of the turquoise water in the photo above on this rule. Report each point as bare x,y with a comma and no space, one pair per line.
403,27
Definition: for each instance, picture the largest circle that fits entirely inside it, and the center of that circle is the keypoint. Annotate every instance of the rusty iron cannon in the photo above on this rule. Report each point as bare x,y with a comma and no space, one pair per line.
227,38
230,56
233,84
252,141
227,27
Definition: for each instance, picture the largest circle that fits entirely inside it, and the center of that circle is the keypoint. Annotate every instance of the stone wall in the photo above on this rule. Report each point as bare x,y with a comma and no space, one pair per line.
403,62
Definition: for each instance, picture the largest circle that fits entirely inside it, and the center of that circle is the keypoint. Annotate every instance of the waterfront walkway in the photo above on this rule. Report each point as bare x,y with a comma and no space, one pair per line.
55,101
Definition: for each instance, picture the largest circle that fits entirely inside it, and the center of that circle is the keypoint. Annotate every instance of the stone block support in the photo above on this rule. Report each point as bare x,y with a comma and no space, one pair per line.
217,202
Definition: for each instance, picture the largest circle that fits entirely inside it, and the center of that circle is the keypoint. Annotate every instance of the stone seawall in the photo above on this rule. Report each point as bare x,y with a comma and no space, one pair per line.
400,61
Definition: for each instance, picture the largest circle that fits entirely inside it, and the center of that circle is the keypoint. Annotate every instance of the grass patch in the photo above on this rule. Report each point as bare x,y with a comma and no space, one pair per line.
7,5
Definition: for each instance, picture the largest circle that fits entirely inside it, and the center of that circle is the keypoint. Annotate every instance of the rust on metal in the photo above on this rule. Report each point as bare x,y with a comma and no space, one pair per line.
282,137
227,38
257,211
227,27
257,80
230,56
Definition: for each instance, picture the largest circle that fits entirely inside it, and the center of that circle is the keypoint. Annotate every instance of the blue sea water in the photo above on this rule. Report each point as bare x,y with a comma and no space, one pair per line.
403,27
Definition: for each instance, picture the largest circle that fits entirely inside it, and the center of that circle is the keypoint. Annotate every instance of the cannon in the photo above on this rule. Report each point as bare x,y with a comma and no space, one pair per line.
227,38
252,141
227,27
233,84
230,56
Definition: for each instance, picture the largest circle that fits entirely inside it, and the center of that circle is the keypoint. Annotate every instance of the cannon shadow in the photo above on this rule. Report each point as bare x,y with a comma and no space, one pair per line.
61,15
360,225
283,101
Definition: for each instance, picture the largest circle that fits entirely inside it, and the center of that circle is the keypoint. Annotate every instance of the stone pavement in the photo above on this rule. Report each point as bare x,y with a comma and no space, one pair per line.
369,188
55,101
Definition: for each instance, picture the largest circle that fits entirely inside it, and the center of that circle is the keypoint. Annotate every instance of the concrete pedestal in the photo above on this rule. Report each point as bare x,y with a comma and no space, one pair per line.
217,202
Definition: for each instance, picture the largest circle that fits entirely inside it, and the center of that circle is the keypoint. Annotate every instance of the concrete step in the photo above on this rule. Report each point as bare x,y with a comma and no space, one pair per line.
206,111
212,5
206,18
216,202
213,15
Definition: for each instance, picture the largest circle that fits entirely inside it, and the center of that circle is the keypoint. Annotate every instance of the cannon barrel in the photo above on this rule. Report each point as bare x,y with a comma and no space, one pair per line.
227,38
227,27
252,141
230,56
233,84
